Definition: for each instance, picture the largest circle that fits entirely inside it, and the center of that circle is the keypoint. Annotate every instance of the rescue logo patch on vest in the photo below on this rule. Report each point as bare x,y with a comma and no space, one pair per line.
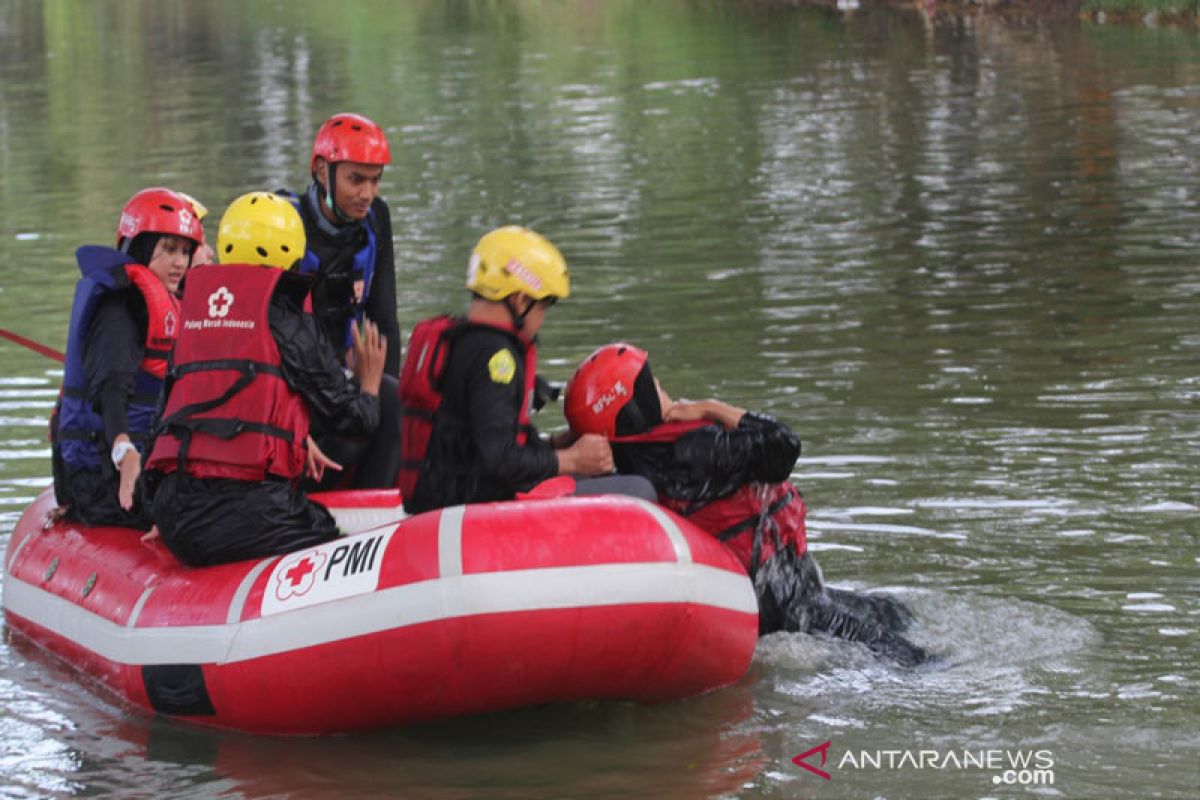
502,367
219,302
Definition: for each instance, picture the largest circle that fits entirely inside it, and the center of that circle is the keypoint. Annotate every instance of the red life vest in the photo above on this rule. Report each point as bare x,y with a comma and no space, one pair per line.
163,316
421,392
754,522
229,413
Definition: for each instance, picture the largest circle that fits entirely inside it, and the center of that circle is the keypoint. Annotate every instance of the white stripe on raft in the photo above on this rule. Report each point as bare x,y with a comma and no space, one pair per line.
683,553
238,603
138,606
450,523
398,607
14,554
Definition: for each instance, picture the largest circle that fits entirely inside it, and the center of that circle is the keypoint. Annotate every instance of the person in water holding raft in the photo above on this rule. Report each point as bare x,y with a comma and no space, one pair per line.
124,320
348,231
728,471
467,389
249,372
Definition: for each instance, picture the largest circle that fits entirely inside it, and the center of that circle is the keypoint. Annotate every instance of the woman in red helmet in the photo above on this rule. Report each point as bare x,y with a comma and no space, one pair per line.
348,228
124,321
728,471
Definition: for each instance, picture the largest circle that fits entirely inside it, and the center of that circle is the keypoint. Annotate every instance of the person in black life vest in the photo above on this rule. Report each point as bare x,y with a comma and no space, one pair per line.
728,471
248,373
348,231
124,320
467,387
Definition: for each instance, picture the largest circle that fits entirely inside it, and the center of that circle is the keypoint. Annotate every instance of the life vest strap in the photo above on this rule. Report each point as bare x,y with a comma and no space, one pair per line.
245,366
182,424
226,428
747,524
136,398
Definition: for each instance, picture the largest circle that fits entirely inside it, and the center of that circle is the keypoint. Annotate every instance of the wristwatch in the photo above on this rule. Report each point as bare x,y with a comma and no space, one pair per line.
119,450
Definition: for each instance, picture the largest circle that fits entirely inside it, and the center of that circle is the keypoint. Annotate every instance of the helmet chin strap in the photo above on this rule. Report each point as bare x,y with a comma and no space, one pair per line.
518,320
328,192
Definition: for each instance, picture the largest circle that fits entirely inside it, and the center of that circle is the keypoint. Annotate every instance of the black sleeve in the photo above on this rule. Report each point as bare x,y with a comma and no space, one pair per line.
758,449
111,360
381,302
493,409
312,368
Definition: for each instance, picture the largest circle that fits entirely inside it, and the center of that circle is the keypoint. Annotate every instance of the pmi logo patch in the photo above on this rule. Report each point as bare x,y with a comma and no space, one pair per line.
331,571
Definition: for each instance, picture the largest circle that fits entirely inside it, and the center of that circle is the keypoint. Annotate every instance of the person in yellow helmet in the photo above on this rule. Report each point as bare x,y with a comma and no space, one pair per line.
248,376
467,388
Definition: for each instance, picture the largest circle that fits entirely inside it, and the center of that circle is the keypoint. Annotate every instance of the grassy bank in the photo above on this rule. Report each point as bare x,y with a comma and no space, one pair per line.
1181,13
1144,6
1148,12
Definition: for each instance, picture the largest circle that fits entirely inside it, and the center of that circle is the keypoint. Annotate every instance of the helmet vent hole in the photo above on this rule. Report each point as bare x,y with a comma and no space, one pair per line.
228,248
284,248
337,124
262,251
253,200
621,351
356,127
167,208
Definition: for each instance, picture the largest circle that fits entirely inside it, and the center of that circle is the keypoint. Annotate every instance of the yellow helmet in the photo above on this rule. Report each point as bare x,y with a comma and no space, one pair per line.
514,259
261,228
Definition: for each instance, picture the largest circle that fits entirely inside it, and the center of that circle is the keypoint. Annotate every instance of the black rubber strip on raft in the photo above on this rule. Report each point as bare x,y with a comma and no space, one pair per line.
177,689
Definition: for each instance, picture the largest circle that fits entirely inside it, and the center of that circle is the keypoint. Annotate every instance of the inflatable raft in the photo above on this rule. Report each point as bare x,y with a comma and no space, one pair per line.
459,611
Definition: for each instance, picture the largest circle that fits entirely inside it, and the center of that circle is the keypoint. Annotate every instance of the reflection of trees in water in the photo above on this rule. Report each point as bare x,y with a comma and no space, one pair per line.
724,180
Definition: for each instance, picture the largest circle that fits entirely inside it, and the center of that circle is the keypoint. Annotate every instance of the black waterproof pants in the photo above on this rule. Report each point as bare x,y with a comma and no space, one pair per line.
792,596
91,498
373,461
216,521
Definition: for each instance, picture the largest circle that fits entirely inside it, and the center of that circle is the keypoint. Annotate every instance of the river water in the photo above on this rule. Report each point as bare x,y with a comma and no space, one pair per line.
959,255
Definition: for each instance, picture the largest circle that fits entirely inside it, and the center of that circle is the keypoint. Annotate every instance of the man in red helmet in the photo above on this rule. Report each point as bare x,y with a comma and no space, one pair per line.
349,252
728,471
124,321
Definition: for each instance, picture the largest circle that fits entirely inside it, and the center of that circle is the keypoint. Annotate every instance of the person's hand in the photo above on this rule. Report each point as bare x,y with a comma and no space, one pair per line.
370,356
131,467
685,411
563,439
150,535
318,462
590,455
710,410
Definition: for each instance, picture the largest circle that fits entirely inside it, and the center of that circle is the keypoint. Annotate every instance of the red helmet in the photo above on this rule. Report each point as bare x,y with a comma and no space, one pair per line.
350,137
601,387
160,210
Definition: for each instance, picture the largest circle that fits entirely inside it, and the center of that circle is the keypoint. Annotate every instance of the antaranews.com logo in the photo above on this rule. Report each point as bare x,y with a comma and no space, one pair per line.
1007,767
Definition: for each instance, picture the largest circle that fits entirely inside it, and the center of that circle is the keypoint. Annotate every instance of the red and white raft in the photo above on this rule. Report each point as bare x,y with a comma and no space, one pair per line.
464,610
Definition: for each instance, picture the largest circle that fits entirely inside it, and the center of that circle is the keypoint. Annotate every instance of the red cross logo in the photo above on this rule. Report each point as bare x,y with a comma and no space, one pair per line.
297,574
219,302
